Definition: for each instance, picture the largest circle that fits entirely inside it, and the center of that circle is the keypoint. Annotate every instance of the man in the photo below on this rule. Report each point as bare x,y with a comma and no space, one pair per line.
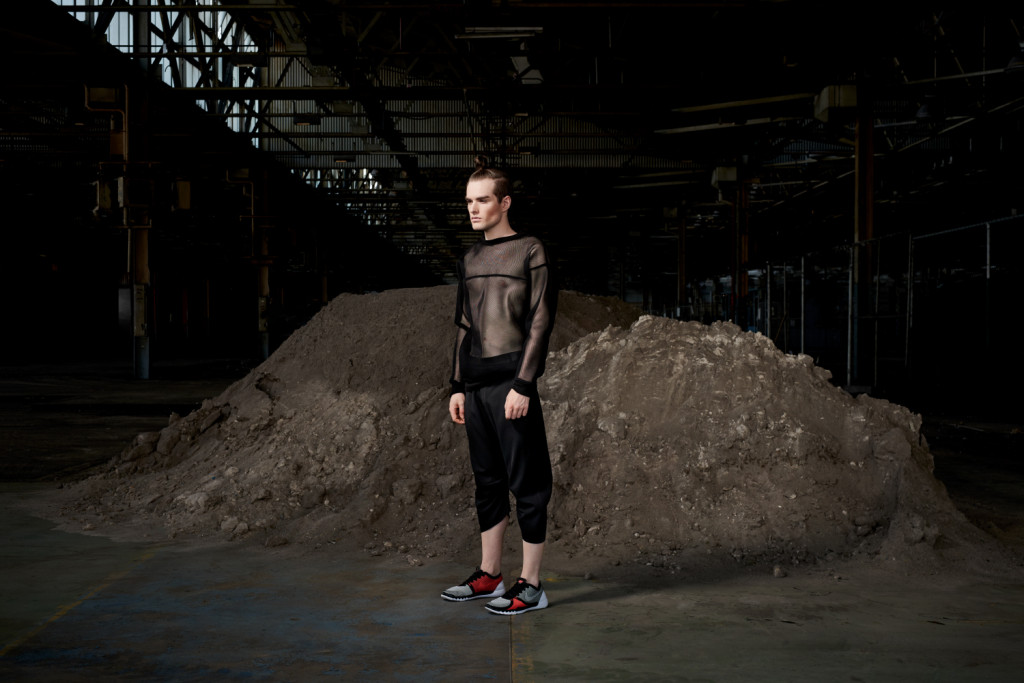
505,310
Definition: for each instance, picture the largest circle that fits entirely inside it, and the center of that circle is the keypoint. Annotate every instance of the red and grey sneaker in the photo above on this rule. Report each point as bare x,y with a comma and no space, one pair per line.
520,598
479,585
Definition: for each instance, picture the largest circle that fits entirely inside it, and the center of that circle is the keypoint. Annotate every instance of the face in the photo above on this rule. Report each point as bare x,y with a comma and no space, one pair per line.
486,211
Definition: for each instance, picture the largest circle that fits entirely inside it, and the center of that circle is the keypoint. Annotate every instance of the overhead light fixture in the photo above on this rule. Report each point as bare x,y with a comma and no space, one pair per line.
527,74
1017,61
345,159
724,125
667,183
776,99
306,120
490,32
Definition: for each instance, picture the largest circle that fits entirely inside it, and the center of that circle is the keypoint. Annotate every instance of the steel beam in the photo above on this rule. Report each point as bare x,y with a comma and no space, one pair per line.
404,6
527,93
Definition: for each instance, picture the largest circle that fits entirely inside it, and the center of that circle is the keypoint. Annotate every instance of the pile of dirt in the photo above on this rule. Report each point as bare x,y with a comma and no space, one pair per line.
676,439
672,444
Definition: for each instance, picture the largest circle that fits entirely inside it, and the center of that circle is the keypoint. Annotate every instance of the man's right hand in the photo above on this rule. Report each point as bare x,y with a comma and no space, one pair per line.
457,408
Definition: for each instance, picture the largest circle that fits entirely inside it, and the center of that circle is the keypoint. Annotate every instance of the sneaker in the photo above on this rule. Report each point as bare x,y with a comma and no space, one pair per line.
479,585
520,598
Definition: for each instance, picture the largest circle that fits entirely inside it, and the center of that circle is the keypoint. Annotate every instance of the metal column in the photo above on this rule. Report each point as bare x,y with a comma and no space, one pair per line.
803,301
863,226
138,238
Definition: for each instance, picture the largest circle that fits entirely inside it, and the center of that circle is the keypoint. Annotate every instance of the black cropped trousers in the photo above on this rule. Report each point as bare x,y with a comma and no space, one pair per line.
508,455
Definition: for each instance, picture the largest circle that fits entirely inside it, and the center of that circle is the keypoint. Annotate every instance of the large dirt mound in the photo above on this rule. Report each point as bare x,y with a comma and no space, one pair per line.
671,442
680,438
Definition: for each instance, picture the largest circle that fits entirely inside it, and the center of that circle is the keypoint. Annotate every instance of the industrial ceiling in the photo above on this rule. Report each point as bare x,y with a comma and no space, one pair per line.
603,109
751,130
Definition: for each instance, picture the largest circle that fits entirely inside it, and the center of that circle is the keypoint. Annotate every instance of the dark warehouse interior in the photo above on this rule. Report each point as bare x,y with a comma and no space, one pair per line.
186,184
845,185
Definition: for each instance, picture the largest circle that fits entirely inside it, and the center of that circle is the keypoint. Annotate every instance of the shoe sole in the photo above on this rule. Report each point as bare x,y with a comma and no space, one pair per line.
541,604
497,593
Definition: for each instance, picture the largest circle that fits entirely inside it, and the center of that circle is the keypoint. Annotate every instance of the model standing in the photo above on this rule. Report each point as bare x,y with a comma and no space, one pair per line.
505,310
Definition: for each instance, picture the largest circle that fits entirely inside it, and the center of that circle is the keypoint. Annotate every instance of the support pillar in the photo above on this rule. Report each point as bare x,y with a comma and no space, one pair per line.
803,302
139,235
682,301
263,303
255,190
139,238
126,184
262,227
863,231
141,33
741,255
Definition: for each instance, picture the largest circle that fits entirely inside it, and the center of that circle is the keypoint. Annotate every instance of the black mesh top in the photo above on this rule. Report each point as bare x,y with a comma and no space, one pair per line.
505,310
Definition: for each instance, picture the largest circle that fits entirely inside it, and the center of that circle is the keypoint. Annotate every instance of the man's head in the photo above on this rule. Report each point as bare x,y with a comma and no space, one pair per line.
488,201
502,183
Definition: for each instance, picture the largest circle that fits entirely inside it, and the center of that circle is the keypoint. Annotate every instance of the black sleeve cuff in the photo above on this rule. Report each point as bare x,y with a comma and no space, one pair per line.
521,386
457,388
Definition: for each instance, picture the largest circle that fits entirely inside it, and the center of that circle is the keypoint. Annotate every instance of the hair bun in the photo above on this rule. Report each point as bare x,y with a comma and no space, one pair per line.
481,162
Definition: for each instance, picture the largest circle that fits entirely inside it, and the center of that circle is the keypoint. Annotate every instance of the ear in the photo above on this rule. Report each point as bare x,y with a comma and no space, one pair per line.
506,202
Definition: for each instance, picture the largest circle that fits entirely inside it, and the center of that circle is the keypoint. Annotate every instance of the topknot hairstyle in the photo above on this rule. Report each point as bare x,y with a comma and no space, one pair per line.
484,171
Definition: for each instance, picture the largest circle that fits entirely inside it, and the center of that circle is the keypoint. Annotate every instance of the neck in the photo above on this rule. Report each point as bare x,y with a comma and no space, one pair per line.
499,230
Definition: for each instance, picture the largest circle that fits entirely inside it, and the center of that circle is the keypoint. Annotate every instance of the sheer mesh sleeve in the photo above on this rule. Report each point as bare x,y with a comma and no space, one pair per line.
462,321
539,321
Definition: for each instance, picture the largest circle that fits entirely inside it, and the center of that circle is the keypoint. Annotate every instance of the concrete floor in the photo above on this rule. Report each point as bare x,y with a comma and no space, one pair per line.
83,607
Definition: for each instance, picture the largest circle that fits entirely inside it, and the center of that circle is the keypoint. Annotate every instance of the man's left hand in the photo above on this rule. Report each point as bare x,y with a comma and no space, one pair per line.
516,405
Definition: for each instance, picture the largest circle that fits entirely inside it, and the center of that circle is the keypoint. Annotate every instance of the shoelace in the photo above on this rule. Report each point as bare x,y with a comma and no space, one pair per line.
520,586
